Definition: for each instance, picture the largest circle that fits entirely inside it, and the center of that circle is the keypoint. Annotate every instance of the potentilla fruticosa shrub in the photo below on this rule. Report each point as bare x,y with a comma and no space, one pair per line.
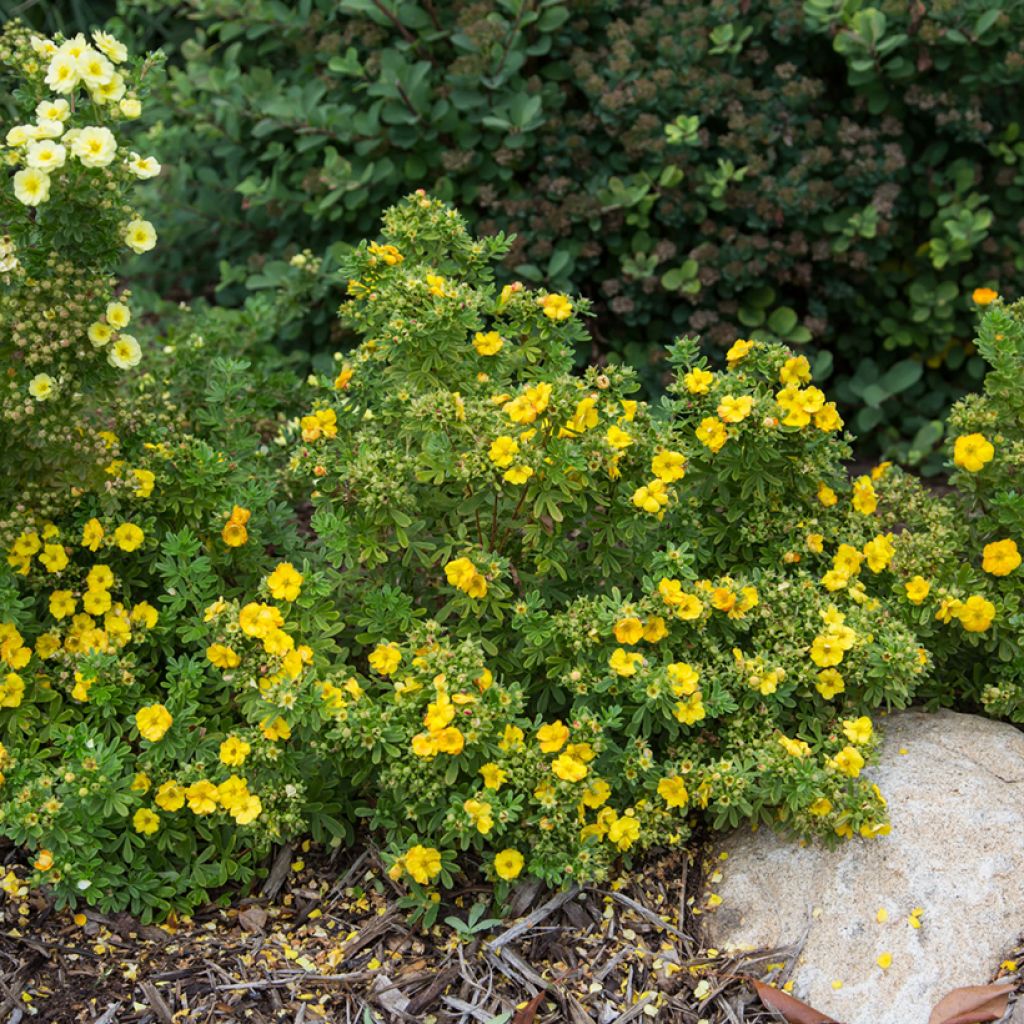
583,616
66,220
842,175
960,585
537,627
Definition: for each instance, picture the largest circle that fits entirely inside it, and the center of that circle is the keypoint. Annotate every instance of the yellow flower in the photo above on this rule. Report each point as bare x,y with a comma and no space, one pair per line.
54,558
170,796
829,683
319,423
92,535
450,741
884,961
698,381
984,296
463,574
596,794
735,409
712,433
96,602
583,419
1000,557
285,582
512,738
848,762
259,620
385,658
820,807
655,629
247,809
972,452
222,656
62,604
423,863
12,690
203,797
528,406
494,775
669,466
826,495
153,721
551,737
618,438
488,344
146,821
508,864
683,677
517,475
795,748
652,498
976,614
623,662
234,751
42,386
864,498
673,791
569,768
858,730
556,307
624,832
234,533
879,552
629,630
344,378
479,812
503,451
827,418
917,589
826,651
740,350
795,370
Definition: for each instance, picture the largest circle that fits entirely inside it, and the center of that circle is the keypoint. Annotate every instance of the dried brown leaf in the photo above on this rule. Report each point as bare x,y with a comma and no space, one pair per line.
252,919
528,1014
972,1005
792,1009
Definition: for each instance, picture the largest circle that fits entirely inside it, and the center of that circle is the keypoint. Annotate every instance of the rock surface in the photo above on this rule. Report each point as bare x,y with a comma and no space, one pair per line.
956,802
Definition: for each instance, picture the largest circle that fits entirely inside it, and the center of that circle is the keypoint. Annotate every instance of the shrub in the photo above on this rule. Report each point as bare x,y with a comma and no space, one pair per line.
587,609
539,624
790,170
962,587
67,218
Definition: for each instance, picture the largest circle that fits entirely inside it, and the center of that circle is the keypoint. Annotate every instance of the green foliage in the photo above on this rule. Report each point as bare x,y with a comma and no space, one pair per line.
818,172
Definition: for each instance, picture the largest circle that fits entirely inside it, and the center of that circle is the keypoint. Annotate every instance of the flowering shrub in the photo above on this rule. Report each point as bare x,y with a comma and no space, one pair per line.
961,585
590,614
66,218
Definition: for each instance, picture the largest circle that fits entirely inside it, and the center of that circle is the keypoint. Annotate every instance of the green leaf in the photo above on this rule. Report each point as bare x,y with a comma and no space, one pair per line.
903,375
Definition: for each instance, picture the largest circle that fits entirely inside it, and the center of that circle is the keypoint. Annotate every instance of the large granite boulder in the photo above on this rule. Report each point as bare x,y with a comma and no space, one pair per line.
955,786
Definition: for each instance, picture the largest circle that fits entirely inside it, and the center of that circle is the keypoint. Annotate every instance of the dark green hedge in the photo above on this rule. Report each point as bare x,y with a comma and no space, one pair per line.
831,174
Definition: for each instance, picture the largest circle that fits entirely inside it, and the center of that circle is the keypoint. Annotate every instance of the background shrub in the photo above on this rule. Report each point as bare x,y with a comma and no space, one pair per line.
825,173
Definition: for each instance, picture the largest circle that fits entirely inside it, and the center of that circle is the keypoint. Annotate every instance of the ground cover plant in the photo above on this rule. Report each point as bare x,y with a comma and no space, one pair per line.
513,620
838,175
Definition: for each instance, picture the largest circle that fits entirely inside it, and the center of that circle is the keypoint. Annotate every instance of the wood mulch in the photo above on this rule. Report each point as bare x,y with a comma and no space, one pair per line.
324,941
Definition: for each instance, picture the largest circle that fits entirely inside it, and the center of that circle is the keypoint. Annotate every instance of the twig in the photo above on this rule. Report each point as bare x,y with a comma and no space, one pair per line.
533,919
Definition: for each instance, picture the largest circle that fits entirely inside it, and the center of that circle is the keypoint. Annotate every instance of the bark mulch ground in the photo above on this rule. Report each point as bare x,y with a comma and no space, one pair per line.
324,941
